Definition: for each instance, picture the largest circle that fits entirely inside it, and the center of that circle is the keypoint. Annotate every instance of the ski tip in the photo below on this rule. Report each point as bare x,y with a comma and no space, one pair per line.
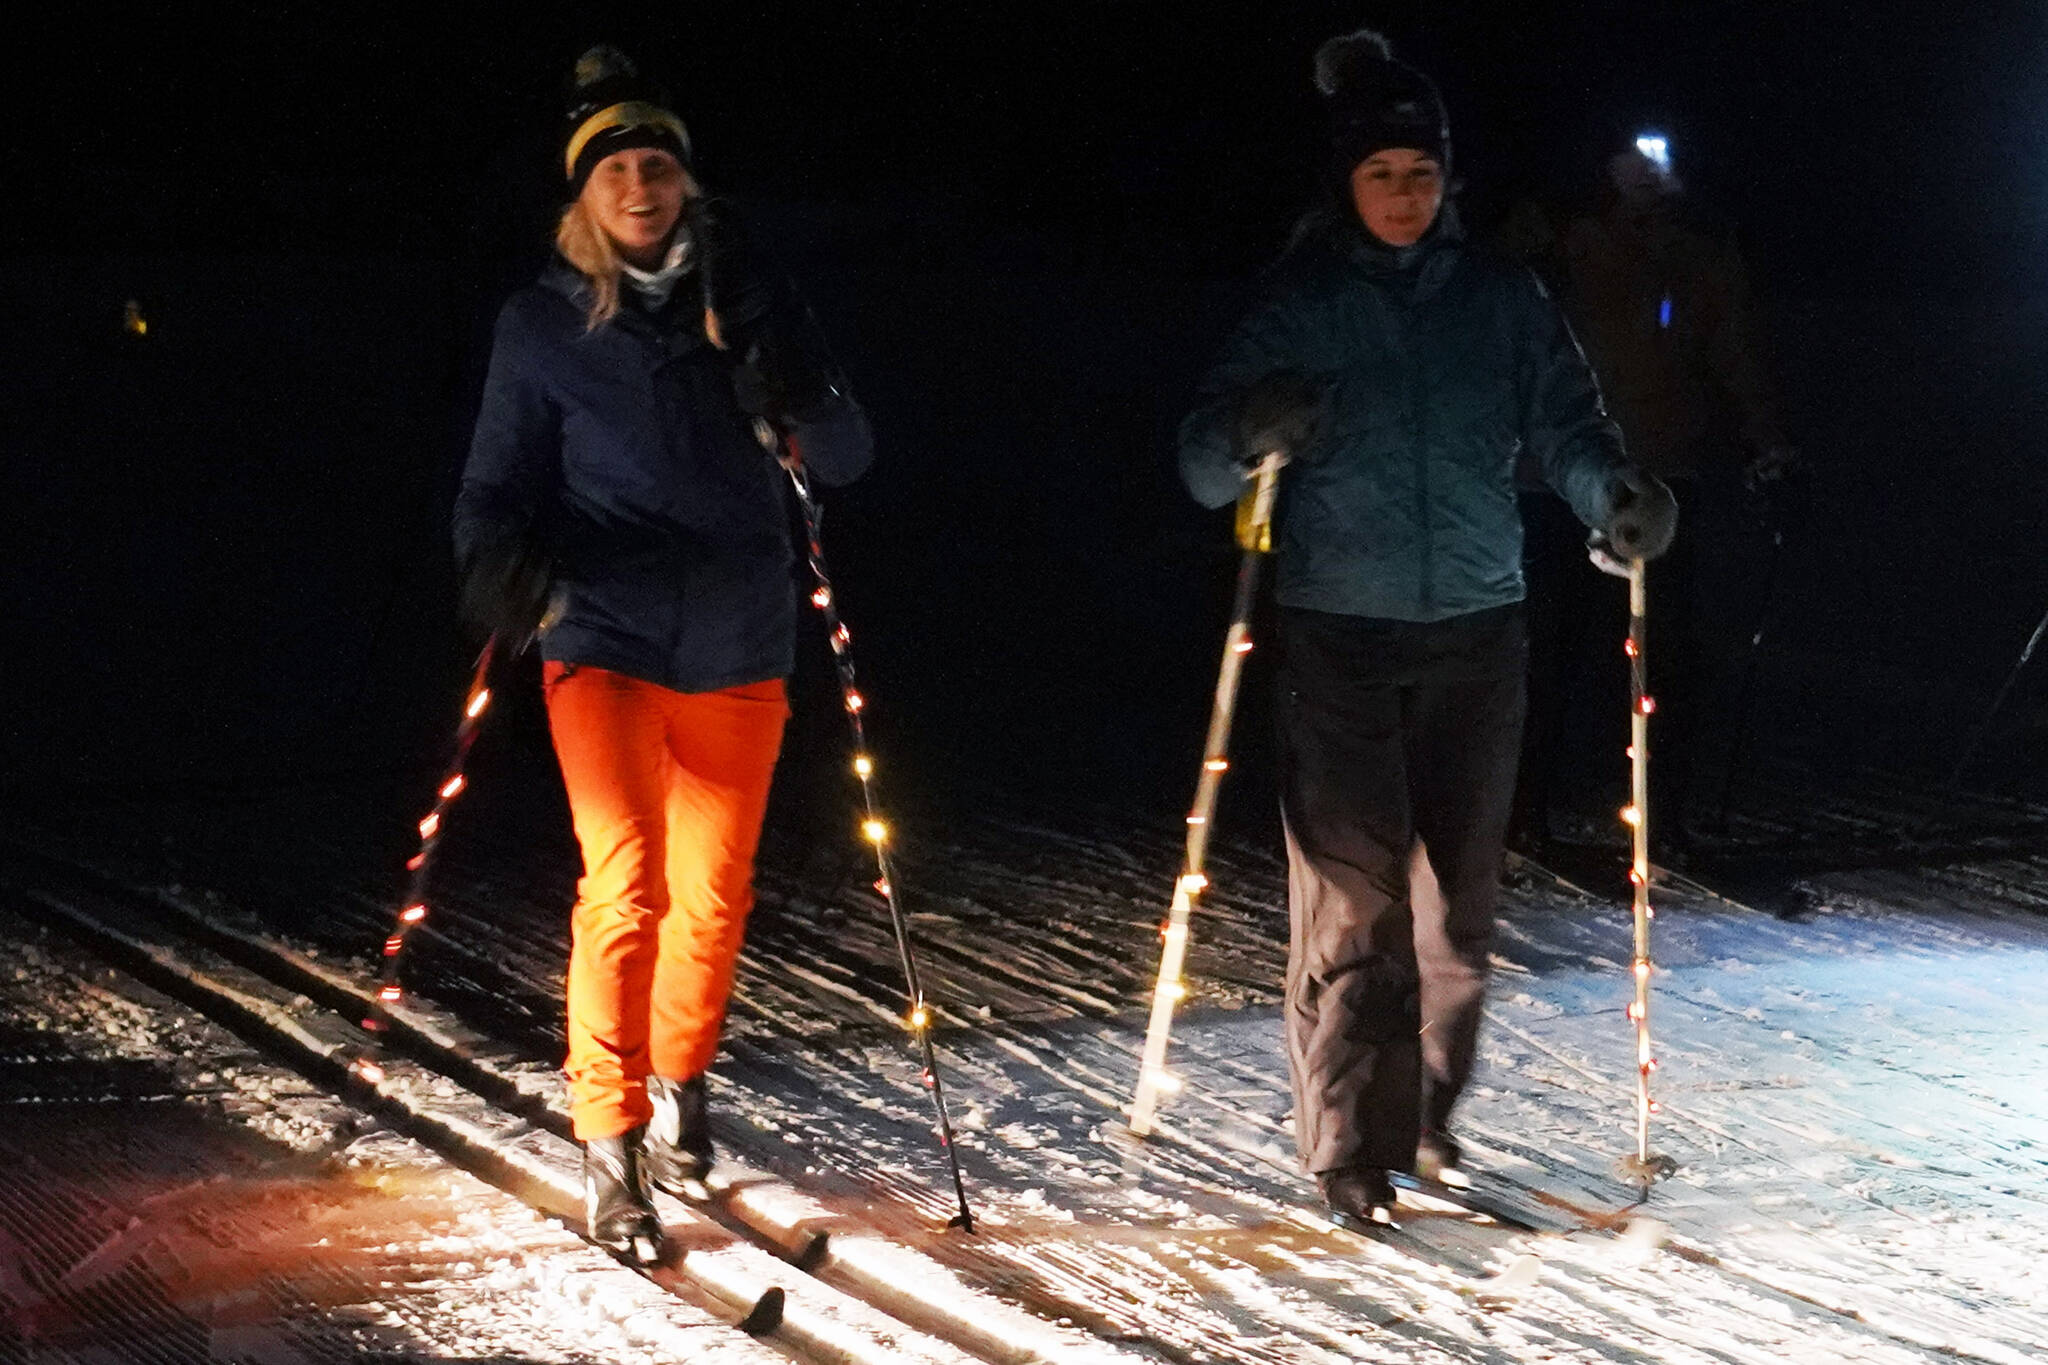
811,1253
766,1314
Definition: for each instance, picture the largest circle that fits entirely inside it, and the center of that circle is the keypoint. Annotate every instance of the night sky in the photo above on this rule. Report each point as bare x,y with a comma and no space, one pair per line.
1831,133
1026,230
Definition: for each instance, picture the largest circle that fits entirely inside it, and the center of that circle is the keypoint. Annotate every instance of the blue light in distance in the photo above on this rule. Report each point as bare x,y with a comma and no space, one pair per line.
1657,148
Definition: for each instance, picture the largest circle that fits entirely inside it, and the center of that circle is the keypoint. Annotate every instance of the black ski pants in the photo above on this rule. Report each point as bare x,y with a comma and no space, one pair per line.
1398,743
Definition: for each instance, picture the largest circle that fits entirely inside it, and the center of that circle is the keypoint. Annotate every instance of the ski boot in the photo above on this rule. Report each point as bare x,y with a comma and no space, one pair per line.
1438,1157
618,1206
677,1151
1360,1198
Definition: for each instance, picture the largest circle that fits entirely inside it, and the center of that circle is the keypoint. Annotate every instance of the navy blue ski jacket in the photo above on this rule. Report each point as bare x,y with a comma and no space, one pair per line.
623,455
1442,366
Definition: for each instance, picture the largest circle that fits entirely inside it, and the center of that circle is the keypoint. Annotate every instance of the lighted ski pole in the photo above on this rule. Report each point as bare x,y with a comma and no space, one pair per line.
1255,535
873,827
1955,776
413,909
1644,1167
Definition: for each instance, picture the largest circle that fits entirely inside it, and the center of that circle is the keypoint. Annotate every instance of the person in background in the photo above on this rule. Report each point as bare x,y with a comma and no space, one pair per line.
1402,373
617,500
1664,311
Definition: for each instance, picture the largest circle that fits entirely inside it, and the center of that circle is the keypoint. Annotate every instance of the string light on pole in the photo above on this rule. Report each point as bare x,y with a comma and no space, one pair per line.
413,908
1254,536
918,1013
1643,1167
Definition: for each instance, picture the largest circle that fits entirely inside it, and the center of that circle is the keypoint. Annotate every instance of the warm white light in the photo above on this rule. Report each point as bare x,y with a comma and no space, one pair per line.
875,830
864,766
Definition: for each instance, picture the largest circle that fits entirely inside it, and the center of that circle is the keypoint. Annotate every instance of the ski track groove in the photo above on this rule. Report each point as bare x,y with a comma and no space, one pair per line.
1104,957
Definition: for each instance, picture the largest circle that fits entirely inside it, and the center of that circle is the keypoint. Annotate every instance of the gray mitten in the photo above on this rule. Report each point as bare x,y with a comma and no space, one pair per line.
1642,516
1282,412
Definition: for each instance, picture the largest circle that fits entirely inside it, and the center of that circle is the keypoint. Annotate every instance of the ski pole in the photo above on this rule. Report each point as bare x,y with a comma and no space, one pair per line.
1644,1167
413,909
1254,534
1745,704
1955,777
872,826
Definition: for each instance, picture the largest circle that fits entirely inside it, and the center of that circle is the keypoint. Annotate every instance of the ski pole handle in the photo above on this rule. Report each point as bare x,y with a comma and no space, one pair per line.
1255,508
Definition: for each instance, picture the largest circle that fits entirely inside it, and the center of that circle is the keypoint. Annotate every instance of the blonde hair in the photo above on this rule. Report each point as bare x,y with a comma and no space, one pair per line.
595,256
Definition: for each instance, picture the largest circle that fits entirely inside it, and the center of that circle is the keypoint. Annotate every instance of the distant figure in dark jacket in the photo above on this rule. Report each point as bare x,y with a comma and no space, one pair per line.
1664,309
618,501
1402,374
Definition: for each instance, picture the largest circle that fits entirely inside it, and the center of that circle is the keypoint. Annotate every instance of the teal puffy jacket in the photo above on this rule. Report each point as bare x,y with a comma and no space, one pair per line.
1443,367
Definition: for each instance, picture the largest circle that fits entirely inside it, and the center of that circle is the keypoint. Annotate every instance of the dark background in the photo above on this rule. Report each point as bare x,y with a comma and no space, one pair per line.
1026,230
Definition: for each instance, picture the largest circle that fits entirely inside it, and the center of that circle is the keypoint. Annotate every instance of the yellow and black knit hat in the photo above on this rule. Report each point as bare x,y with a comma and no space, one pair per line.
612,108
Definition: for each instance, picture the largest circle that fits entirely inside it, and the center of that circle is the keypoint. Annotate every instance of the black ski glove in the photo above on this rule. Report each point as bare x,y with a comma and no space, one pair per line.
786,372
505,591
1284,412
1642,516
790,380
740,288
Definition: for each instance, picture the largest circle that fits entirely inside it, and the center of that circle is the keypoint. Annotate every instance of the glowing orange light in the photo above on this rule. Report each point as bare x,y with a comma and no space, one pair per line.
854,701
919,1017
1649,705
429,825
391,993
1217,765
1631,816
1635,878
875,830
1635,1012
392,945
478,702
822,598
864,766
452,788
1198,819
1628,647
1193,882
413,914
1242,647
1642,967
882,886
415,862
370,1072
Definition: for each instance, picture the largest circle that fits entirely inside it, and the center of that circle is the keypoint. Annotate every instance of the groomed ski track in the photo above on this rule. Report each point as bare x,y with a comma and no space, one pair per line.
1858,1099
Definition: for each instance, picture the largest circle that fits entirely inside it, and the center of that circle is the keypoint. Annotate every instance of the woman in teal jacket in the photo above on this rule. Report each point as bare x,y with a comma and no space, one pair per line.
1402,374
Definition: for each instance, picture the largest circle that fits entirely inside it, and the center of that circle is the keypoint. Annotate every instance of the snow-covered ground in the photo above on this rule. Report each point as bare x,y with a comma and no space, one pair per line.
167,1195
1857,1097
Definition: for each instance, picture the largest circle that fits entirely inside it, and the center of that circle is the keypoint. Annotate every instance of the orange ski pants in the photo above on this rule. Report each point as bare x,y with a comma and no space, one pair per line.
667,790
